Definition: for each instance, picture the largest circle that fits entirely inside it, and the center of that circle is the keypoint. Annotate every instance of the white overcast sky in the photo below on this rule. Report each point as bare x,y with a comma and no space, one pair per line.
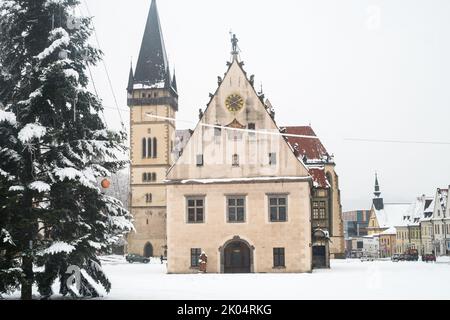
366,69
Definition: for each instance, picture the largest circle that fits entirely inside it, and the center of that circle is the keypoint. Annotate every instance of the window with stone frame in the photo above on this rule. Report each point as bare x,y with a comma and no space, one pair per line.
236,209
195,209
278,208
319,210
149,177
279,259
235,160
195,257
199,160
272,158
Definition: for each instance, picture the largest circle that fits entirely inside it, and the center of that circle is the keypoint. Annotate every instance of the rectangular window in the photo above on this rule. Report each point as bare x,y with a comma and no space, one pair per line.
272,158
148,198
251,126
217,132
322,210
278,257
236,209
195,257
148,177
322,214
195,210
278,208
235,160
199,160
315,213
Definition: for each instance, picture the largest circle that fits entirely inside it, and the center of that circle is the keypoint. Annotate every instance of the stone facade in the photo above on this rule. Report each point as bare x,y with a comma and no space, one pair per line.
274,234
257,231
153,100
310,150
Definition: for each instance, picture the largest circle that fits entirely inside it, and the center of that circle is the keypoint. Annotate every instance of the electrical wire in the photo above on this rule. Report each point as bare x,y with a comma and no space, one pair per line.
106,68
274,133
398,141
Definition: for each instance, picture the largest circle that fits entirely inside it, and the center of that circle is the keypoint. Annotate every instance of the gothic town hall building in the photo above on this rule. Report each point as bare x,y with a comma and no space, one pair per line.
252,196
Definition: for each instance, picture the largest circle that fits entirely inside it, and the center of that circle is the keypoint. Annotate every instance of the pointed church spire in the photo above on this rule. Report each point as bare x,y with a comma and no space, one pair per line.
130,80
152,68
174,82
378,202
377,192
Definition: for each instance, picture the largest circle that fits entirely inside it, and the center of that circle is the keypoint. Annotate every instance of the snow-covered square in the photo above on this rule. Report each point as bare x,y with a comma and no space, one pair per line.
347,279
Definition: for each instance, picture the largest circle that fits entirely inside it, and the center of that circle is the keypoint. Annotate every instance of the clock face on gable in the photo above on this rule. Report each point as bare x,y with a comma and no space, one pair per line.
234,103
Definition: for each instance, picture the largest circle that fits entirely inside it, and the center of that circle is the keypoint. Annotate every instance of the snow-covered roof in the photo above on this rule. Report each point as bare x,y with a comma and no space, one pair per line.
319,177
416,211
309,150
236,180
442,195
390,231
428,212
391,215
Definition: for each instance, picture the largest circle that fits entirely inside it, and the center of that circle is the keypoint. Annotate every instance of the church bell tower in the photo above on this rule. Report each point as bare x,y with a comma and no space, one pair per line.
153,100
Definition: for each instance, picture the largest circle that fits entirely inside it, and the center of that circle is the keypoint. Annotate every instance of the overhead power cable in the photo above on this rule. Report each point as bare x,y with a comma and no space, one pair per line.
273,133
106,68
398,141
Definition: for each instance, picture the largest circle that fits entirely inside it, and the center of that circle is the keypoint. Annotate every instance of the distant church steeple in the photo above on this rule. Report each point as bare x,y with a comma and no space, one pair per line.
377,201
130,80
377,192
152,69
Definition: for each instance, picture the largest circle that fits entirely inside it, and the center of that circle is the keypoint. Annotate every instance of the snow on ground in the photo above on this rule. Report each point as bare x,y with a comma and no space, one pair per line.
348,279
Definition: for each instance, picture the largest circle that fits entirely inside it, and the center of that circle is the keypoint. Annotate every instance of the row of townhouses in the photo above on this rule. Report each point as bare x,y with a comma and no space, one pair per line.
388,228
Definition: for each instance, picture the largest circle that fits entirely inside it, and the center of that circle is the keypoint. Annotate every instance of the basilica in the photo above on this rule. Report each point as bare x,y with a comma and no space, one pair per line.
249,195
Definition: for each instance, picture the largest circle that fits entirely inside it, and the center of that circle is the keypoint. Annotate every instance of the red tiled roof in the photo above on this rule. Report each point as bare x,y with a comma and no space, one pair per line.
319,177
313,149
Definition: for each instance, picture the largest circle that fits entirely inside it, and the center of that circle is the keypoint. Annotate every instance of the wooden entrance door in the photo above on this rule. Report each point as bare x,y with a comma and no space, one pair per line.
148,250
319,257
237,258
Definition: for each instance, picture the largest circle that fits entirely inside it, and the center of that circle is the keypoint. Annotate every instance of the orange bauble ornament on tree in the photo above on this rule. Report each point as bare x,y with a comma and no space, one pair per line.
106,184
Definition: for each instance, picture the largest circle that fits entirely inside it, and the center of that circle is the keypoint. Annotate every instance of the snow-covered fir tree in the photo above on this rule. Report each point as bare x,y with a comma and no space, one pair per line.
53,148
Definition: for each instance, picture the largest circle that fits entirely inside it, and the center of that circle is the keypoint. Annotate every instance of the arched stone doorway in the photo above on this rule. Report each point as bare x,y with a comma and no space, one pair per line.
148,250
320,249
236,256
